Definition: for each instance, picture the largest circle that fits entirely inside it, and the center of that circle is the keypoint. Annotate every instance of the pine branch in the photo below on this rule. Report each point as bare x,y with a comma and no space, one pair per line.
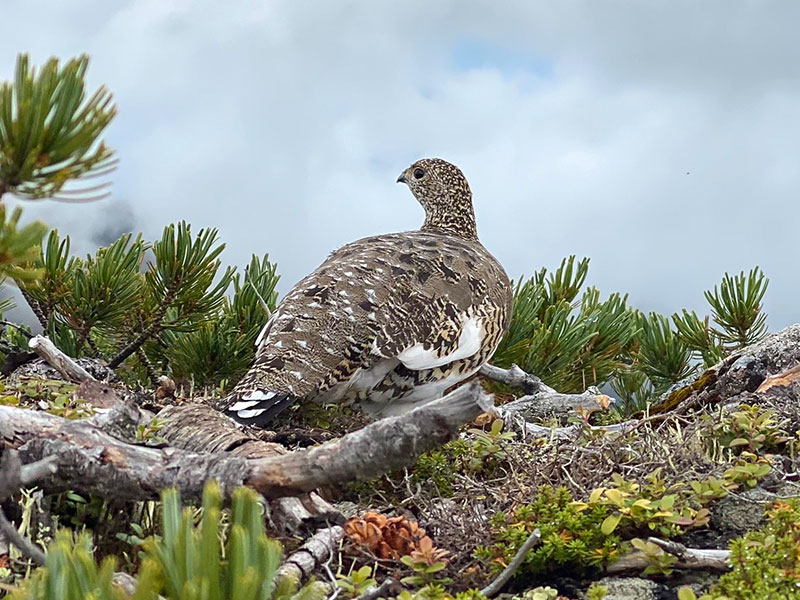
149,331
50,133
35,307
148,366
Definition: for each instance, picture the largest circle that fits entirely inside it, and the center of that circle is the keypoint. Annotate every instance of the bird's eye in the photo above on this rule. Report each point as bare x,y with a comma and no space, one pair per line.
419,173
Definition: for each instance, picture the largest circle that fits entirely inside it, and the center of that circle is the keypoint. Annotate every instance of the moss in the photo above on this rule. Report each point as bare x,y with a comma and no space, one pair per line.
705,380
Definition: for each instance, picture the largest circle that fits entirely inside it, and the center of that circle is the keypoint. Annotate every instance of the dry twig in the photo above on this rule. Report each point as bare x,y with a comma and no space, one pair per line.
688,558
534,539
68,368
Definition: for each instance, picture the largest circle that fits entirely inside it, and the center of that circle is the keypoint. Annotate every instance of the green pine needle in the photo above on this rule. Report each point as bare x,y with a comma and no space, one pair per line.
50,132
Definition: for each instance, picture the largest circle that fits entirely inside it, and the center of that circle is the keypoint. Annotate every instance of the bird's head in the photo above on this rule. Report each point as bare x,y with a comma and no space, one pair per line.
442,190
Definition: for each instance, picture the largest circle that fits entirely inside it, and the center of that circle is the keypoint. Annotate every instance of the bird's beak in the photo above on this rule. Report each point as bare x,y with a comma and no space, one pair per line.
402,178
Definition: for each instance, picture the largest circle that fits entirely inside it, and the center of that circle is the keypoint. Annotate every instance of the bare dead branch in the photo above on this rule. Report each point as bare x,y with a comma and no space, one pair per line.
68,368
301,564
378,448
688,558
380,591
200,428
23,544
516,378
95,462
542,401
13,476
534,539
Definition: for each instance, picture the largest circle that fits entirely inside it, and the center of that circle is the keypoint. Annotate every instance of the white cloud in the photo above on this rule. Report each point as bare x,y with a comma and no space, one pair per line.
576,123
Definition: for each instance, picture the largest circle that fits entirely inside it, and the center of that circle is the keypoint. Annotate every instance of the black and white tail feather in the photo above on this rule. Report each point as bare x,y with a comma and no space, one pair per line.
259,408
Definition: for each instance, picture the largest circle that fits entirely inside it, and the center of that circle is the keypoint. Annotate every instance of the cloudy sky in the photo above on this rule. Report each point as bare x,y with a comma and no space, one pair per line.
660,138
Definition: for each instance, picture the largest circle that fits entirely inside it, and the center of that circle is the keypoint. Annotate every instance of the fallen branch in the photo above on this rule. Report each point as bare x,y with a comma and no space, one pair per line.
514,377
534,539
200,428
94,462
68,368
23,544
687,558
542,401
301,564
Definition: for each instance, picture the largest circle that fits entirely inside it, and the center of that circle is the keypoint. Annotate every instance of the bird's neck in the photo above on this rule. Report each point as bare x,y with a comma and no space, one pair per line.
452,215
453,220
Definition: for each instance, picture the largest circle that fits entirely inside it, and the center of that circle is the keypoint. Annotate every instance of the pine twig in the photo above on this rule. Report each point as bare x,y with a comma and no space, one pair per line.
534,539
148,332
148,366
35,307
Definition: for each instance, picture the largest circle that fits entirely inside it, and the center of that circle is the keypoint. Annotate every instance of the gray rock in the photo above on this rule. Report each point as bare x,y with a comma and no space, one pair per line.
738,513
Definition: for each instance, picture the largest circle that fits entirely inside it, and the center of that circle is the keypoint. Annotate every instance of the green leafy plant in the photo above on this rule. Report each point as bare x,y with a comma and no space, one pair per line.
751,428
487,446
541,593
708,490
571,535
747,470
149,432
660,562
357,581
765,563
596,591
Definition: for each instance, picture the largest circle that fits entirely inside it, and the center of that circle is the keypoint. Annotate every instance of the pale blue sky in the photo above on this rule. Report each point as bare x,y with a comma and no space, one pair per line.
285,124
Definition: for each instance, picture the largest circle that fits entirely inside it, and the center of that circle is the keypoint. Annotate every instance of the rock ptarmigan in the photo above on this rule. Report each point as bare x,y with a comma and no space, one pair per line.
388,322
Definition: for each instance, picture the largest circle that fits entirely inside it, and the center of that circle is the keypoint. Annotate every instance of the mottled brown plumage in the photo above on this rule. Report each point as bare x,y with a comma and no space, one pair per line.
389,321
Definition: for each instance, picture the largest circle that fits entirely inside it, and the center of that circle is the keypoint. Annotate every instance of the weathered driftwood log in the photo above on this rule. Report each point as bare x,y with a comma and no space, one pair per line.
200,428
92,461
688,558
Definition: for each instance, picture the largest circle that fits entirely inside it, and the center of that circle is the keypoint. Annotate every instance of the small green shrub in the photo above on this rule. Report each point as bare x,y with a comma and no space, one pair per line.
751,428
571,534
766,563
